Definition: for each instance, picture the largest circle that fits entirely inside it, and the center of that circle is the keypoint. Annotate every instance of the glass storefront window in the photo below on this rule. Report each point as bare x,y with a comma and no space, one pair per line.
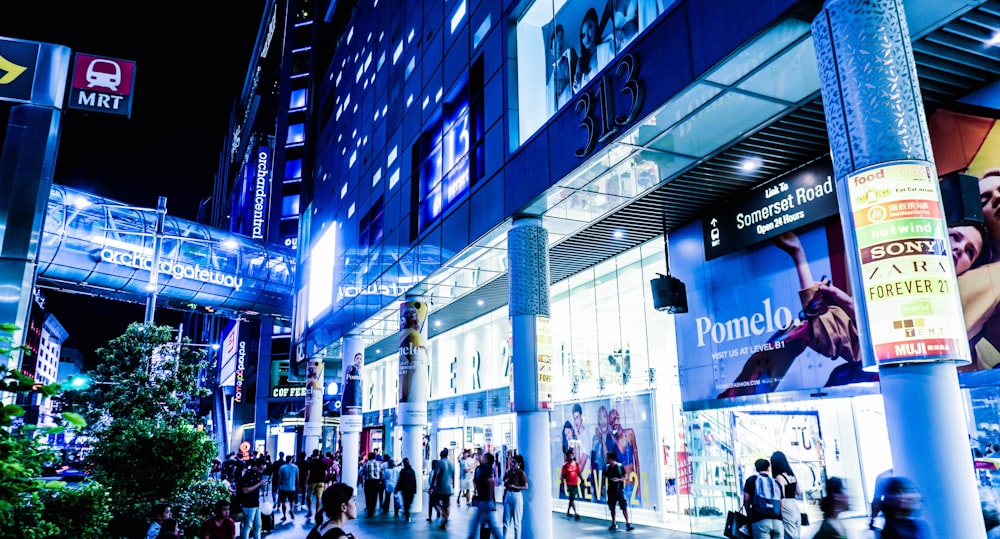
563,45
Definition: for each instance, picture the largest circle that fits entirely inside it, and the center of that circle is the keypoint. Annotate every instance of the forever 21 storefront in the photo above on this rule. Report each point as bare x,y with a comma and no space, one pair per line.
439,137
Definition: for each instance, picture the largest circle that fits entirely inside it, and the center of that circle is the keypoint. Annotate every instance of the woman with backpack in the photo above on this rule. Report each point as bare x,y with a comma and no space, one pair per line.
791,516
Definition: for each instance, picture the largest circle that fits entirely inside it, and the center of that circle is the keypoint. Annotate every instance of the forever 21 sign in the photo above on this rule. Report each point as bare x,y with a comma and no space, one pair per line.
598,118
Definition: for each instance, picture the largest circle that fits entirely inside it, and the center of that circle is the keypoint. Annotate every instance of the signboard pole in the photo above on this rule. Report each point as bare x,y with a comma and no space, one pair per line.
890,199
26,167
527,248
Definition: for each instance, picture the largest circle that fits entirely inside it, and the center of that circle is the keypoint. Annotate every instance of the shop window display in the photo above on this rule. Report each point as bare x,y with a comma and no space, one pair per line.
563,46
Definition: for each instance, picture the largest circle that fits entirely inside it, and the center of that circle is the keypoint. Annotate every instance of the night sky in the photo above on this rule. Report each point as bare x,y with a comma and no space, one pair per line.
191,61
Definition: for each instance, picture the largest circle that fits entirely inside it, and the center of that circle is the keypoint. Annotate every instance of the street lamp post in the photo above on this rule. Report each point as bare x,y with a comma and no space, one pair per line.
154,272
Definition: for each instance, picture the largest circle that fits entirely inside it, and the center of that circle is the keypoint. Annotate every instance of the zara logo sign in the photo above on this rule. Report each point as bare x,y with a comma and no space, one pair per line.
599,108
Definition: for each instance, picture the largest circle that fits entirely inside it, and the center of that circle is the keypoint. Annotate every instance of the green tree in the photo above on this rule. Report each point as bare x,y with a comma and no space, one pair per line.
145,373
23,494
148,448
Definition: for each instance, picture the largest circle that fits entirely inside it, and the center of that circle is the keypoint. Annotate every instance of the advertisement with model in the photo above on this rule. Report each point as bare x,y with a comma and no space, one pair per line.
592,430
775,314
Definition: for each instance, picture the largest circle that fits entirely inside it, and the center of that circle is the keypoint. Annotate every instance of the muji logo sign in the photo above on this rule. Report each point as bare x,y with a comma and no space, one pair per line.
102,84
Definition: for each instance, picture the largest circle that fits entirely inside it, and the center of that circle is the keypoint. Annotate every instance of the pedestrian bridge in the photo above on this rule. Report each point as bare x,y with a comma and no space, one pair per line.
104,248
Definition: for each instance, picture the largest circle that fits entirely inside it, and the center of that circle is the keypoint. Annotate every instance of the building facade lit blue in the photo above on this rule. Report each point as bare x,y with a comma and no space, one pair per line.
434,126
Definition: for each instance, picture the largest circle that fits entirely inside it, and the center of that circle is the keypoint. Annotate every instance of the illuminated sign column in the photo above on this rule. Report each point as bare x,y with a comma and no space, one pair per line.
35,74
911,301
411,412
250,204
905,290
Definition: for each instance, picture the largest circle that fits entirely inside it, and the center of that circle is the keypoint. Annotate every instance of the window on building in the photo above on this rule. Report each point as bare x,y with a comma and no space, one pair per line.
559,52
443,167
370,229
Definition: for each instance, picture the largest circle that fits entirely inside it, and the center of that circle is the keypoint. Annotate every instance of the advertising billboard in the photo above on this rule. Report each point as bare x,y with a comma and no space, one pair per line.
227,354
971,145
594,428
774,316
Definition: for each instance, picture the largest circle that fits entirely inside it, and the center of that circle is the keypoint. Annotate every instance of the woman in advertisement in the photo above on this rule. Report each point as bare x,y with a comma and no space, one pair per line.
351,404
412,349
595,51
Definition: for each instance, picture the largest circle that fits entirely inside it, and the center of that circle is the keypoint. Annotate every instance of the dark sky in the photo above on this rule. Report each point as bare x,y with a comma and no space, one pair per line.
191,62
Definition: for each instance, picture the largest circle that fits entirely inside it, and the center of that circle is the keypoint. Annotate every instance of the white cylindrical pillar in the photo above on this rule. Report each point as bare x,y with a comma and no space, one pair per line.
350,410
312,432
527,252
411,412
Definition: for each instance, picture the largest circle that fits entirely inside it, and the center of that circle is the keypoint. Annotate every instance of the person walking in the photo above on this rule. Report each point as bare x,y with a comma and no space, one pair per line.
833,504
407,487
467,465
389,478
249,489
315,481
219,525
570,475
791,516
371,472
901,507
339,507
442,485
762,498
288,478
614,475
515,482
484,500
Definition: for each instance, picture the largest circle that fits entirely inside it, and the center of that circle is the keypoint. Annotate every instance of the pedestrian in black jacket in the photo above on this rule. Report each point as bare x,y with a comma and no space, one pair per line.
407,487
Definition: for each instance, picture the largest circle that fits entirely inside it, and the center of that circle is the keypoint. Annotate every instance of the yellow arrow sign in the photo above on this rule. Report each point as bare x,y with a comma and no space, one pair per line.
13,71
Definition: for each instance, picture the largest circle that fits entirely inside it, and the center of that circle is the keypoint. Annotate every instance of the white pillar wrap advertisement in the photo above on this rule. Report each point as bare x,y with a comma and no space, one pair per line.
314,405
350,409
904,257
413,364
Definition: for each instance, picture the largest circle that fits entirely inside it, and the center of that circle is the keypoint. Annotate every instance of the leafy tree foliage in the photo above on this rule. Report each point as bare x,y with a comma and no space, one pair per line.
24,513
148,448
146,373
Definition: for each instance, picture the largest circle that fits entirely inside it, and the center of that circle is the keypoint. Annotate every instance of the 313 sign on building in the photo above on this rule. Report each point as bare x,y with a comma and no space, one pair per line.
102,84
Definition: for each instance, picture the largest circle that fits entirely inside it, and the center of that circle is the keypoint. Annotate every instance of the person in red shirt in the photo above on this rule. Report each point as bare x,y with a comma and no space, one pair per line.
571,476
219,525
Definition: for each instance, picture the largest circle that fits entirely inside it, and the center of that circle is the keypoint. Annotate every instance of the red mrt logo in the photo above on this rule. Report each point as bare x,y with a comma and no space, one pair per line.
102,84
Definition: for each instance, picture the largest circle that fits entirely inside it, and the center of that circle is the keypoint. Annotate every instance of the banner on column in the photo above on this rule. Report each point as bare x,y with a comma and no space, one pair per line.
971,145
903,254
351,403
543,351
413,363
620,425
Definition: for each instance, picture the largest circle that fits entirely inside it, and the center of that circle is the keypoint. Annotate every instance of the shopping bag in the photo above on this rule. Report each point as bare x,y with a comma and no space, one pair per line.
735,521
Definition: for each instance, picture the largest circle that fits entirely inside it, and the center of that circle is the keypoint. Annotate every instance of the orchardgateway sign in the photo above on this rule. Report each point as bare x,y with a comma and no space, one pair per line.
178,270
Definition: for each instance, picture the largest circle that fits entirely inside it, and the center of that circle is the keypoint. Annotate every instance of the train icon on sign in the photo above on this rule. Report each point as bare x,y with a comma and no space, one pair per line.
104,73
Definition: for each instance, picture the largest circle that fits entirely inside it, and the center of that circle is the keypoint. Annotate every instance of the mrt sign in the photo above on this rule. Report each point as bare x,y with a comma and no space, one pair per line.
102,84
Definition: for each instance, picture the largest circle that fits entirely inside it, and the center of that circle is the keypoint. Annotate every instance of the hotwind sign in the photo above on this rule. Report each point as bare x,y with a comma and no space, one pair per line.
102,84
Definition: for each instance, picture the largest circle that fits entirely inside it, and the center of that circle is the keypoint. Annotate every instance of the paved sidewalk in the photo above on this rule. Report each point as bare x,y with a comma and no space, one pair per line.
385,526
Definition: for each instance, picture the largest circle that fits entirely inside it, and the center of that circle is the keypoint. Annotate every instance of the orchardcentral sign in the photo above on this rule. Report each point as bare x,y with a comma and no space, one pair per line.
175,269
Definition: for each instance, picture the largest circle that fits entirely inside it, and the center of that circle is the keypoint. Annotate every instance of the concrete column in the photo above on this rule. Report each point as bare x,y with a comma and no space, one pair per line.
312,432
264,331
528,256
875,118
350,410
411,411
